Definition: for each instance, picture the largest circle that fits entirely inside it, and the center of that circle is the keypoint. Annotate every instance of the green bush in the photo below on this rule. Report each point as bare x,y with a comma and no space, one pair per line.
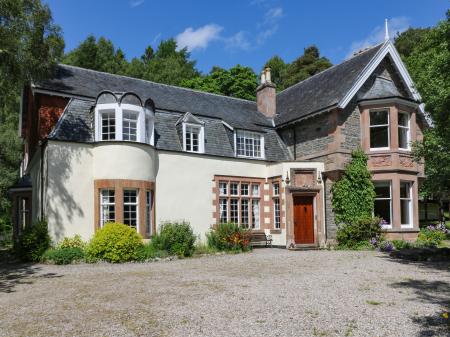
229,237
72,242
402,244
114,243
148,252
176,238
353,235
353,195
430,237
63,255
33,242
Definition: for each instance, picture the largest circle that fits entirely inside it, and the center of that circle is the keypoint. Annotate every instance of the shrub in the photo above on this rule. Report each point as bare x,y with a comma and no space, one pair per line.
114,243
72,242
229,237
353,195
363,230
431,236
386,246
33,242
176,238
148,252
63,255
402,244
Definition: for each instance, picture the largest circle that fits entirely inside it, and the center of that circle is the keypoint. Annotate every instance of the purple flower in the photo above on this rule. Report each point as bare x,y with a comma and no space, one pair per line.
374,242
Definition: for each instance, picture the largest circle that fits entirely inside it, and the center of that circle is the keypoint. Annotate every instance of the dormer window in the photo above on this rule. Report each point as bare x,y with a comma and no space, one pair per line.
249,144
124,118
192,132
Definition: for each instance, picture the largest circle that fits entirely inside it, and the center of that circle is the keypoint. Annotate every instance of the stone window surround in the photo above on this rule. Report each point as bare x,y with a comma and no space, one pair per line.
394,108
266,204
119,185
395,179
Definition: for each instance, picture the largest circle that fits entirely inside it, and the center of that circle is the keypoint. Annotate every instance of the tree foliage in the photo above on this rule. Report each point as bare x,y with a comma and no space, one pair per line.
310,63
429,65
353,195
30,45
238,81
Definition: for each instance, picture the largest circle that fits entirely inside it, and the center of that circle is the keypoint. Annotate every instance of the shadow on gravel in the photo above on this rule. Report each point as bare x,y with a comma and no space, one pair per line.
13,274
429,258
435,292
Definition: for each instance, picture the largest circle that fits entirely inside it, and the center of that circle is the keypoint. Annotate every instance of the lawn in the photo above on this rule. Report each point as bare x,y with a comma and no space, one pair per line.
269,292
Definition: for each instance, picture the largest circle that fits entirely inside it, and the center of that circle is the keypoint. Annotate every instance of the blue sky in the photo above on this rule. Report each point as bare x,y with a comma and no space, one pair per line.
247,32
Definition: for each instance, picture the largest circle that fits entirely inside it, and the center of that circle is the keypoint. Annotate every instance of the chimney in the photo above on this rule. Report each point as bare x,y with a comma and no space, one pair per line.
266,95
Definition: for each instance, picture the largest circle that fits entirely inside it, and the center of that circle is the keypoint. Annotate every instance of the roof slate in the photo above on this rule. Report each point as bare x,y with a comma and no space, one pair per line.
381,88
322,90
89,83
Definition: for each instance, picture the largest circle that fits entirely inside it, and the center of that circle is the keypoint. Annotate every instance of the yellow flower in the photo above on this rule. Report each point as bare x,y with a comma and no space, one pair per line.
445,315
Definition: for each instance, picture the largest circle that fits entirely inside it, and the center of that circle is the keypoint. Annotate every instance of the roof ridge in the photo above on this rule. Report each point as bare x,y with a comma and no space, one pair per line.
156,83
324,71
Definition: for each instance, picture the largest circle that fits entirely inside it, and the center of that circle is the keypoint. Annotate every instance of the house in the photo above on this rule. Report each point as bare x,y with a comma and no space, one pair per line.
102,147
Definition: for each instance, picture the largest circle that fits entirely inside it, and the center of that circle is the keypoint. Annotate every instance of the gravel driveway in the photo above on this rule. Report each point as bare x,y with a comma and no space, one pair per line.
269,292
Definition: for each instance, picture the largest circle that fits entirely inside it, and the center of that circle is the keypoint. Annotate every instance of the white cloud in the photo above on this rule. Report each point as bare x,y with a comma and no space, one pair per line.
395,25
198,38
273,14
136,3
269,26
238,41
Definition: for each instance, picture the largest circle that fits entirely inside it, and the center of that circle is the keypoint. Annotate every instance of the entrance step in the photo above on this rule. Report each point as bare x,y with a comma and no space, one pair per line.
304,247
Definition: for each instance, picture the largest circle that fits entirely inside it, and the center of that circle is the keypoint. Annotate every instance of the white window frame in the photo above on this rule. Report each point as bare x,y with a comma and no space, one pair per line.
390,200
237,210
410,210
255,220
131,204
408,130
143,115
149,211
201,137
223,202
129,121
249,135
388,125
276,201
108,203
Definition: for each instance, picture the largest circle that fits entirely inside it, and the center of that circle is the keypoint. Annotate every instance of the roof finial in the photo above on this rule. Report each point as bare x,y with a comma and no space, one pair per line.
386,34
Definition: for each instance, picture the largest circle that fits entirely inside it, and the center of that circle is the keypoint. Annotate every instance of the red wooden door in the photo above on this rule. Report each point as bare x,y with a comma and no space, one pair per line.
303,220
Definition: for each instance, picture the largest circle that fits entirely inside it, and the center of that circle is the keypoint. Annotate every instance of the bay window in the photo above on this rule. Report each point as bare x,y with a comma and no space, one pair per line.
406,204
249,144
383,202
403,130
379,129
148,212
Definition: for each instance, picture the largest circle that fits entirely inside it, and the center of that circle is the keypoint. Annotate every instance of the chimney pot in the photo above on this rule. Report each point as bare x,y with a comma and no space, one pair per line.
268,75
263,77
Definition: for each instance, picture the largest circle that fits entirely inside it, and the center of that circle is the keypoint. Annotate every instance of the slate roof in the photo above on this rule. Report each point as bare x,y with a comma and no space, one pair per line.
89,83
381,88
76,124
322,90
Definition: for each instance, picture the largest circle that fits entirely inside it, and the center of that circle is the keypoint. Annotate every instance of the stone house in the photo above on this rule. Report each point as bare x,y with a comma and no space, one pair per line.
102,147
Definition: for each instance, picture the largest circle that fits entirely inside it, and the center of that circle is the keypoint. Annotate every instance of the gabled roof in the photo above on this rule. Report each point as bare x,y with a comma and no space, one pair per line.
85,83
323,90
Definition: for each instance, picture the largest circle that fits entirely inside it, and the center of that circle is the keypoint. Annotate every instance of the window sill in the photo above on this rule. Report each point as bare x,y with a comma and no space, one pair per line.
248,157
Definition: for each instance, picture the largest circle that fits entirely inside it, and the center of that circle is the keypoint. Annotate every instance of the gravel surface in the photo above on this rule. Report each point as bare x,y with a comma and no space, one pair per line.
269,292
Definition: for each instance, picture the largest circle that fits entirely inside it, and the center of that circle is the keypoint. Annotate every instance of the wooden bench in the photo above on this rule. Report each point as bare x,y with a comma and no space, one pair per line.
261,239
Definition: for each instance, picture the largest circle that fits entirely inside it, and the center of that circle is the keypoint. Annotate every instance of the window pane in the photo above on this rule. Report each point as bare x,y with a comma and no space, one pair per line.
382,189
234,188
223,188
255,214
129,126
244,212
244,189
130,207
379,118
234,210
108,125
382,209
255,190
405,210
405,189
107,206
403,137
223,210
248,144
403,119
276,189
148,209
276,206
379,136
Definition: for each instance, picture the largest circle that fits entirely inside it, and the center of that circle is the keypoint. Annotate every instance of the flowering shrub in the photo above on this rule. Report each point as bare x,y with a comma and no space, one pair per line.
73,242
386,246
366,230
229,237
432,235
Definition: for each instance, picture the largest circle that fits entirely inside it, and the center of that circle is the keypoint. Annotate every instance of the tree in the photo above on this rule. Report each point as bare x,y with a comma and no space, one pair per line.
278,70
98,55
353,195
409,39
429,65
307,65
30,46
238,81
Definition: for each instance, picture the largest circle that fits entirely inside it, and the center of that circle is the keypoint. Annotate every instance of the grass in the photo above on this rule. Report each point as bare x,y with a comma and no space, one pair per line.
371,302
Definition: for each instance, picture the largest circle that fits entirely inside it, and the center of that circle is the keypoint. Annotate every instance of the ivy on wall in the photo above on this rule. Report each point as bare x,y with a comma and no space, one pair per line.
353,195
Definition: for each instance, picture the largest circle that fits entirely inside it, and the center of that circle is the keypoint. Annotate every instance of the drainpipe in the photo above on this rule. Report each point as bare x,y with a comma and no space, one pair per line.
324,179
